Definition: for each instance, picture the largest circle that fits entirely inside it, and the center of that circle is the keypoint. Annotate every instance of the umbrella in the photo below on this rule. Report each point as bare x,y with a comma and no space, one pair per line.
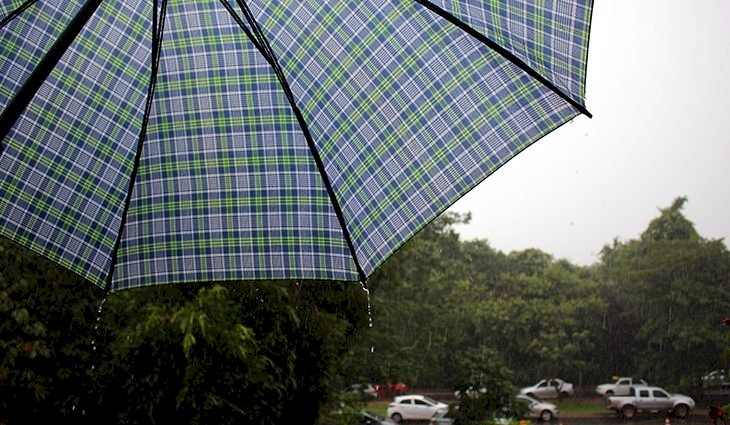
168,141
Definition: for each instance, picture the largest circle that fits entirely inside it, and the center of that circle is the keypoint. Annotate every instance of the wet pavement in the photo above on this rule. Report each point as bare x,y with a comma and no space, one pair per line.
696,418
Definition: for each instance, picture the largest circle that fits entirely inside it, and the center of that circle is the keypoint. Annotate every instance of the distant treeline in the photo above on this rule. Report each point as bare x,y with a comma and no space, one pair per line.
652,307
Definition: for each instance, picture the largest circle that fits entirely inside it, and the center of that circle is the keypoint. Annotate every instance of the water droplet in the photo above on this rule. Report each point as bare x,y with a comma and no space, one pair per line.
370,313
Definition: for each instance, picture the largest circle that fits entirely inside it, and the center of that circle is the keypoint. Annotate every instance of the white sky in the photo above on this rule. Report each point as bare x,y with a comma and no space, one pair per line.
659,90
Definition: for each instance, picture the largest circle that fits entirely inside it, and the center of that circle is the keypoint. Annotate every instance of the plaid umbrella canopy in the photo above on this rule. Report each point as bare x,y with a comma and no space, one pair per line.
166,141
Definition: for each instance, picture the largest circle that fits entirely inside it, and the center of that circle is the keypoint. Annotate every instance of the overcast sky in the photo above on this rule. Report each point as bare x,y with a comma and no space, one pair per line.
659,90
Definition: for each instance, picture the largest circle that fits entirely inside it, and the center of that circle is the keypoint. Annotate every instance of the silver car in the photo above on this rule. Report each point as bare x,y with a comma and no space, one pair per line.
539,409
549,388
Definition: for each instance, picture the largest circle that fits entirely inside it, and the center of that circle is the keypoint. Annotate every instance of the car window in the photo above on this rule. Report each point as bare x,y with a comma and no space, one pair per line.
421,403
623,382
644,393
406,401
660,394
542,384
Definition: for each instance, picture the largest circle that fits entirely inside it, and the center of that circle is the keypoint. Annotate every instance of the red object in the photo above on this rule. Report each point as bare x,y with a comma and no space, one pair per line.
715,414
390,389
726,322
28,347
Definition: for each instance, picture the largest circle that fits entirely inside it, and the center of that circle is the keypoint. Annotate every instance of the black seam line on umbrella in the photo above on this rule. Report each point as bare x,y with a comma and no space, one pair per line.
243,26
259,40
12,15
158,26
268,53
504,52
41,72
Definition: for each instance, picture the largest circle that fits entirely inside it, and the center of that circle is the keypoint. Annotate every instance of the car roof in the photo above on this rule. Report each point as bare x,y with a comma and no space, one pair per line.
409,396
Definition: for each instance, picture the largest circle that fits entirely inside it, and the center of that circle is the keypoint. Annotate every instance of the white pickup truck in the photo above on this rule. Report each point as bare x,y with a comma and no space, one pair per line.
619,386
644,399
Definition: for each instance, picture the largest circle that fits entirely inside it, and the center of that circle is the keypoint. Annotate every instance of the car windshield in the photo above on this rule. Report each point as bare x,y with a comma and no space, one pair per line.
430,400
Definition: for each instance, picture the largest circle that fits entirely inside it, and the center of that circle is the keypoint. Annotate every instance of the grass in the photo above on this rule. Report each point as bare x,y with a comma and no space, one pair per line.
581,407
378,408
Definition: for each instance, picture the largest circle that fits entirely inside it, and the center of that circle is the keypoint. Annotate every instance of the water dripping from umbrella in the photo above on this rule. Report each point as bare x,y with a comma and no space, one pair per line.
370,313
97,327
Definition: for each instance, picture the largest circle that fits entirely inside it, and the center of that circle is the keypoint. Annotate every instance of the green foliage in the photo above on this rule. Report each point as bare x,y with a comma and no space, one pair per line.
438,295
668,292
263,353
40,304
671,225
484,384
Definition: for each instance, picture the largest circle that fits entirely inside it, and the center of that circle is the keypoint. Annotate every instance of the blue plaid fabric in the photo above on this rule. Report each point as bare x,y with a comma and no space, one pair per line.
227,189
27,38
66,163
406,110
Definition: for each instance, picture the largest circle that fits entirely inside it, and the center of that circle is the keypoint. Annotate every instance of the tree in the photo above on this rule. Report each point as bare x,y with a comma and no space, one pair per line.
484,386
266,352
669,290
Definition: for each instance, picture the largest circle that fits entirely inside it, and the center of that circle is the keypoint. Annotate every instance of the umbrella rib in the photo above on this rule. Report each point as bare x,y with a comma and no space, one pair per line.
41,72
262,44
504,53
243,26
12,15
158,26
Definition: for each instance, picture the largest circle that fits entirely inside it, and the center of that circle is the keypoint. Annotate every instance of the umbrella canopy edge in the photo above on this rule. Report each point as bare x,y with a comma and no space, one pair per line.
504,52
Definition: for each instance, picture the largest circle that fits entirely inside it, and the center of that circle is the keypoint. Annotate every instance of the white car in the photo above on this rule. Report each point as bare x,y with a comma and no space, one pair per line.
549,388
414,407
539,409
620,386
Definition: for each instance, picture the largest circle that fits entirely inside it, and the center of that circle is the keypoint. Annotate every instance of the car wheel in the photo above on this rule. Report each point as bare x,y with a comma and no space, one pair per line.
609,393
546,416
681,411
397,418
531,395
564,394
629,412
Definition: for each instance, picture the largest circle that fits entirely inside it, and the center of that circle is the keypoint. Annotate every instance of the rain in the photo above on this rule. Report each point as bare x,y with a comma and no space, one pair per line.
222,212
